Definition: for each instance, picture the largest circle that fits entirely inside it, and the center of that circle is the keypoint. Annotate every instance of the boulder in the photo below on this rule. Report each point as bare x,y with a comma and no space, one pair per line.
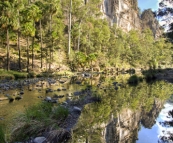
39,140
48,99
77,109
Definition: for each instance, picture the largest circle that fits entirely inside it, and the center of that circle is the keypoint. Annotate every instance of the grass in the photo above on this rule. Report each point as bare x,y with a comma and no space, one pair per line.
12,74
36,119
63,73
2,134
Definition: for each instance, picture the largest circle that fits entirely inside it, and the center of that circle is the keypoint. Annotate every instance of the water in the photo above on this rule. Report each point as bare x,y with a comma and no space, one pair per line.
126,113
158,130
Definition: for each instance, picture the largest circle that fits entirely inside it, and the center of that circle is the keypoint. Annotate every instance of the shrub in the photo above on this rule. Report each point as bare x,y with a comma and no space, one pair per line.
133,79
60,112
38,112
12,74
31,74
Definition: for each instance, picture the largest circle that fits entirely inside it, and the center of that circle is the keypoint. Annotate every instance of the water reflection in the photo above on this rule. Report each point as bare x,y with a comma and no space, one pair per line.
122,113
118,118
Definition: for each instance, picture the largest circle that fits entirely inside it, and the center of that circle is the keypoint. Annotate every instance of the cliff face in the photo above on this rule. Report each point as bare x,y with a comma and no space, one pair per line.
148,20
122,12
125,14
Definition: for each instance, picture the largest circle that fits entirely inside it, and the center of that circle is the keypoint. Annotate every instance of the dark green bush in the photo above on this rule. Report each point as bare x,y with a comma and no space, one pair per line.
133,79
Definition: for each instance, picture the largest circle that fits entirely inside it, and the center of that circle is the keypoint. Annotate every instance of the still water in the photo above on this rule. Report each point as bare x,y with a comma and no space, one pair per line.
126,114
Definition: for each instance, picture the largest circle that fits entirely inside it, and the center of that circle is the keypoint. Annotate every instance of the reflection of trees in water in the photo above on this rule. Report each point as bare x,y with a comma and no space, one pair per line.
118,115
167,124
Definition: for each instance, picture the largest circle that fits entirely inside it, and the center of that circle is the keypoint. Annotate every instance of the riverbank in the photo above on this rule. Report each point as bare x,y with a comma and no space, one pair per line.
74,107
65,126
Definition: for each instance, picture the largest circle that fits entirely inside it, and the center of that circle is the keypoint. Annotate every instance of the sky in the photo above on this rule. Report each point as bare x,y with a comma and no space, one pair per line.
146,4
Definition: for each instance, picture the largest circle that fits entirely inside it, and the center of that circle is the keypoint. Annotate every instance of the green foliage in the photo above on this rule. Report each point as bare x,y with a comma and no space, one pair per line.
12,74
31,74
2,134
134,79
93,41
36,119
38,112
60,112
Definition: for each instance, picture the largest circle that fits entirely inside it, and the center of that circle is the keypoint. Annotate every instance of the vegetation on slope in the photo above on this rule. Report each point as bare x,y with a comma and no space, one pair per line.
34,36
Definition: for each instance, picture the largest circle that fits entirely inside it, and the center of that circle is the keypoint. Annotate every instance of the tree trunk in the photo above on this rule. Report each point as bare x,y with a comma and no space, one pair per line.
41,45
46,58
78,43
8,51
50,58
50,49
27,65
32,52
18,45
69,28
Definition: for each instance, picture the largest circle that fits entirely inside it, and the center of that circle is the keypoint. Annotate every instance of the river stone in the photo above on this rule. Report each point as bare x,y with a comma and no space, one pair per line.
77,109
39,139
48,98
21,92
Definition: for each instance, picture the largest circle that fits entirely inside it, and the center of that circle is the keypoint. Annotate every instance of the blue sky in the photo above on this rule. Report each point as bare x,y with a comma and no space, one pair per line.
146,4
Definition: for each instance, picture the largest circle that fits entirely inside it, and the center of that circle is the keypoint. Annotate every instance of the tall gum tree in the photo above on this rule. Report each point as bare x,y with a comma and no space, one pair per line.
8,21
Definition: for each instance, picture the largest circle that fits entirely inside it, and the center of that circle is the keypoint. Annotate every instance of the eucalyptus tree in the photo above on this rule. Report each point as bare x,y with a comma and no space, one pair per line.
54,12
28,27
8,21
42,8
19,5
35,15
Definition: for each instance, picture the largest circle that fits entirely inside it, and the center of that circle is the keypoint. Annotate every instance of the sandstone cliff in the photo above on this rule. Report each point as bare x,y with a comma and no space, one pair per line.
125,13
149,21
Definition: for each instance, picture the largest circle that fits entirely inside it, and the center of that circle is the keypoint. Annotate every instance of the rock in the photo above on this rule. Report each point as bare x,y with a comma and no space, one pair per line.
77,109
21,92
86,75
115,83
116,88
65,103
4,98
18,98
58,89
48,99
39,139
78,82
77,93
49,90
54,101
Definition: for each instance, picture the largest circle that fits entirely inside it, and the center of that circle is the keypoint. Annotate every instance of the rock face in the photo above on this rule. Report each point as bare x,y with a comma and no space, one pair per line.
149,21
125,13
122,12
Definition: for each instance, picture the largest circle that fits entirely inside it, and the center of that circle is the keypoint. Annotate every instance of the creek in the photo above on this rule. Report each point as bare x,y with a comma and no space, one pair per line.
127,113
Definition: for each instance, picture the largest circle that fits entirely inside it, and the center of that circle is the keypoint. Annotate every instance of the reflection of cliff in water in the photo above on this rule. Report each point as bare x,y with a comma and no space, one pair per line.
124,129
148,118
118,118
121,129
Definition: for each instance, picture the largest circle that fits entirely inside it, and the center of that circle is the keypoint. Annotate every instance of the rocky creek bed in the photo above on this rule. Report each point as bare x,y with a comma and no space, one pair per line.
74,107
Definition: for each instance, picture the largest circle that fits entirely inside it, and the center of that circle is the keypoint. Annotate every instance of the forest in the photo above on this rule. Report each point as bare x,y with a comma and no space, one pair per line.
47,35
